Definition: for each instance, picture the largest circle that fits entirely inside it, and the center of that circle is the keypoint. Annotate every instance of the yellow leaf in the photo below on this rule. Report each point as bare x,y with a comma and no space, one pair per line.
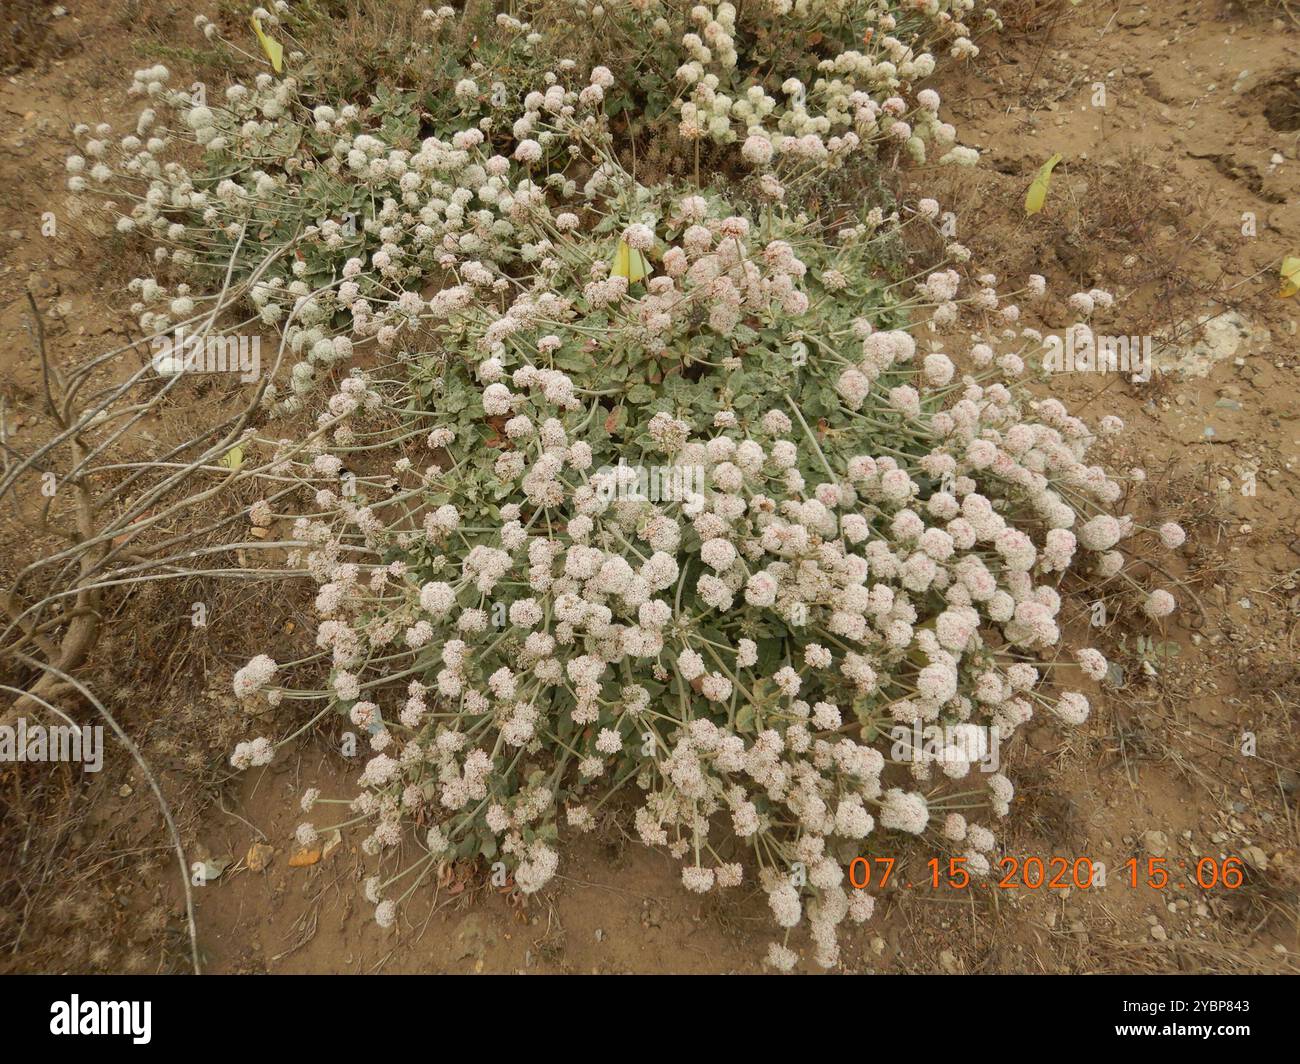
273,49
1037,193
629,263
233,458
1290,272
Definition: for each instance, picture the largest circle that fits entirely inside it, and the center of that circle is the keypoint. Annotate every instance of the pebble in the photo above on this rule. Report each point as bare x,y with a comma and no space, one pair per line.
1156,843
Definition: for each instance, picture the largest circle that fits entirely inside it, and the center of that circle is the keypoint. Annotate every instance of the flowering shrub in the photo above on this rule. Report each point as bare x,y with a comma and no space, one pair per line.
647,484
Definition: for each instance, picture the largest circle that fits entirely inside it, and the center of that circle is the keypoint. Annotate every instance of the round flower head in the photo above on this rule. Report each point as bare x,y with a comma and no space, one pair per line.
254,676
1172,535
1159,604
904,811
1092,662
1100,534
1071,707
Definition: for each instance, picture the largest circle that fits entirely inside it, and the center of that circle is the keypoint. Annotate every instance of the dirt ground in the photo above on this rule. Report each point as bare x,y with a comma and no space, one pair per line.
1178,125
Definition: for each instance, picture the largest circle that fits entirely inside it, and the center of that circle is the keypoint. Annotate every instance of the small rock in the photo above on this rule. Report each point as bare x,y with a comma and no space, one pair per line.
1156,843
259,856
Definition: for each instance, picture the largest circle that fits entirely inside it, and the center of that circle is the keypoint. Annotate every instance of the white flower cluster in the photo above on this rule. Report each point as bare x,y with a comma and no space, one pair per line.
848,102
